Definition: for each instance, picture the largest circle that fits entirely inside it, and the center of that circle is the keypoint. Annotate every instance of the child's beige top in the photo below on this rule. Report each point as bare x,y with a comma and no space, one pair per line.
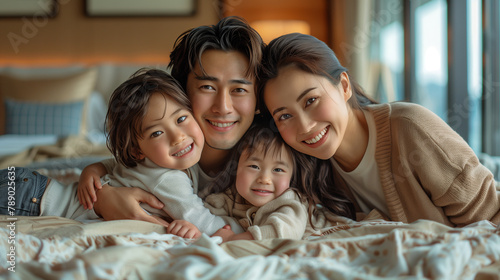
284,217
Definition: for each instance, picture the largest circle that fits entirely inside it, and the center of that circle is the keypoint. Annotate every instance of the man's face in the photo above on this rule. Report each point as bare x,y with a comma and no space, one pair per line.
223,99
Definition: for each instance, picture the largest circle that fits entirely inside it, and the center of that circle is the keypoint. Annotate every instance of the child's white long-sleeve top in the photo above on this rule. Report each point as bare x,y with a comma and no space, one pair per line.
175,188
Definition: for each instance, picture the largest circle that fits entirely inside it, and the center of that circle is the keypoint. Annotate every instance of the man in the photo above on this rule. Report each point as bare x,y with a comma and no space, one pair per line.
217,67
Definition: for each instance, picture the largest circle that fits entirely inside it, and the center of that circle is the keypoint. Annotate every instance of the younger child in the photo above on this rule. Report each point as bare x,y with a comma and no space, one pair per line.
156,143
261,193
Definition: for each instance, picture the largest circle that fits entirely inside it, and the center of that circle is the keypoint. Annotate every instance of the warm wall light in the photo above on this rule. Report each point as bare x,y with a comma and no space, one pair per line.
270,29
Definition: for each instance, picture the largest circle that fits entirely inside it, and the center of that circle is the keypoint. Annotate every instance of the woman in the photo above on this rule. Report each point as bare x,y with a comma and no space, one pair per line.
398,158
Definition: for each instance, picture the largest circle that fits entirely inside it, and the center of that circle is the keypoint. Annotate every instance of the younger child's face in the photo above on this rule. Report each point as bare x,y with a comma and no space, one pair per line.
171,137
260,179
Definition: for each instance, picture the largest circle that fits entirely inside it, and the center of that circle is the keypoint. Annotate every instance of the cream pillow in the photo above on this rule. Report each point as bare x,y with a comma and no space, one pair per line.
44,96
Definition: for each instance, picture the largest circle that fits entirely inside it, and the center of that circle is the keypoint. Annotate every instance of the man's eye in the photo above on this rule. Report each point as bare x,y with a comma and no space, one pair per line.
156,134
240,90
310,101
207,87
181,119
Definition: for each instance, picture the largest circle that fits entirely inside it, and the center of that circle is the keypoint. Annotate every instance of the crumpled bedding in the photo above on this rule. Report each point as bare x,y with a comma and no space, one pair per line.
59,248
53,247
70,148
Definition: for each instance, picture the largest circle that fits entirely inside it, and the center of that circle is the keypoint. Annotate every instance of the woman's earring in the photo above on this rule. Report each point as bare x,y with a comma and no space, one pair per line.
257,111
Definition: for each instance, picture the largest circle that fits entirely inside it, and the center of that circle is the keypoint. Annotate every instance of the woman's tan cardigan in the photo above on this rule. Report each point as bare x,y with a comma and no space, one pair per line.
427,171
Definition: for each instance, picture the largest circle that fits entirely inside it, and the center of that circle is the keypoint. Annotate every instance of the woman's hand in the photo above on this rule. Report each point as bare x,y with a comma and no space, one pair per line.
122,203
184,229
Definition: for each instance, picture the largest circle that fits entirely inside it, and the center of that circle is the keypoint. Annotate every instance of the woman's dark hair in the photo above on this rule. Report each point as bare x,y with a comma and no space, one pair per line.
127,108
229,34
309,54
310,175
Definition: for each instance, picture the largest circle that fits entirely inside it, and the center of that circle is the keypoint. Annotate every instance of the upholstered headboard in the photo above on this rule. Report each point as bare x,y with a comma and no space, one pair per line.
59,100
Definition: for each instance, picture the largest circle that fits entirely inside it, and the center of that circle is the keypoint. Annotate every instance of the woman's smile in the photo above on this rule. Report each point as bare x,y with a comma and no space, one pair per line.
319,138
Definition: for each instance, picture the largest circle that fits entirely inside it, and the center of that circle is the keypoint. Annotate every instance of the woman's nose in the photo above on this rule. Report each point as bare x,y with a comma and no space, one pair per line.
305,124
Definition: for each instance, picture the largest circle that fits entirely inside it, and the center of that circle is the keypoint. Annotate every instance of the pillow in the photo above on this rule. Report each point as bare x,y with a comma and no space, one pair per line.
57,93
26,118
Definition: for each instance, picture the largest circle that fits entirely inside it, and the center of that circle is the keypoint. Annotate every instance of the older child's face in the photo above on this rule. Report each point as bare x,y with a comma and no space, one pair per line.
171,136
310,112
224,99
260,179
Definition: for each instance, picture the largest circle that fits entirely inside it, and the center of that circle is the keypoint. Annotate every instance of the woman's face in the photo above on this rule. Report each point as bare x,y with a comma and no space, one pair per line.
310,112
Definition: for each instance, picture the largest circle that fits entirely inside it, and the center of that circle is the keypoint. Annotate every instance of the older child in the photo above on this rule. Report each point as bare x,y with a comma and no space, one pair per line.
262,192
156,142
399,158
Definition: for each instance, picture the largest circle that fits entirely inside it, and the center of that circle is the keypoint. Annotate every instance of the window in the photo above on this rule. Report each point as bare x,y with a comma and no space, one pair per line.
491,78
474,71
451,65
431,73
386,74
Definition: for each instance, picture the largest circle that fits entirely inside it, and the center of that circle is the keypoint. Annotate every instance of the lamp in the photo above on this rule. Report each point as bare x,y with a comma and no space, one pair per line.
270,29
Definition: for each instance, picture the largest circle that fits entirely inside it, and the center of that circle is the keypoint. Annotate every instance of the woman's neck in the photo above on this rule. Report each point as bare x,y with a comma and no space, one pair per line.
353,146
212,160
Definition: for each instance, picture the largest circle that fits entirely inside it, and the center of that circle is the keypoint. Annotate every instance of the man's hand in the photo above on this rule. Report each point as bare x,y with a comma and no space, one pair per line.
89,183
122,203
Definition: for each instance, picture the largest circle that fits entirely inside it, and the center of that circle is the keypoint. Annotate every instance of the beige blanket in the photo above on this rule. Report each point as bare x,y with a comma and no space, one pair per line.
57,248
52,247
70,147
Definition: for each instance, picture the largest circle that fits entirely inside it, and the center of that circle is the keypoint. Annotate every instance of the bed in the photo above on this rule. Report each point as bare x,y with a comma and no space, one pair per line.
56,248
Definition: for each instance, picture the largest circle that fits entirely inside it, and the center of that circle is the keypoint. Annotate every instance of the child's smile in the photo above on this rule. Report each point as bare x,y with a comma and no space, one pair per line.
171,136
262,177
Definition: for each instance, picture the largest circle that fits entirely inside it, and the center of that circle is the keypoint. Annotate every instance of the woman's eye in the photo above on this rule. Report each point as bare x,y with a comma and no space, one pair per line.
253,166
278,170
284,117
156,134
310,101
181,119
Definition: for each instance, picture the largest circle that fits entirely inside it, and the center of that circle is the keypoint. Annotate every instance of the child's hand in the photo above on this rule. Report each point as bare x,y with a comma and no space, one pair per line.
225,232
89,182
184,229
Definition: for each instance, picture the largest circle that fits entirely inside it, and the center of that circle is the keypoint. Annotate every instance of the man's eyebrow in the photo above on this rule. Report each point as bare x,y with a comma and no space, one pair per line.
214,79
241,81
205,78
298,99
